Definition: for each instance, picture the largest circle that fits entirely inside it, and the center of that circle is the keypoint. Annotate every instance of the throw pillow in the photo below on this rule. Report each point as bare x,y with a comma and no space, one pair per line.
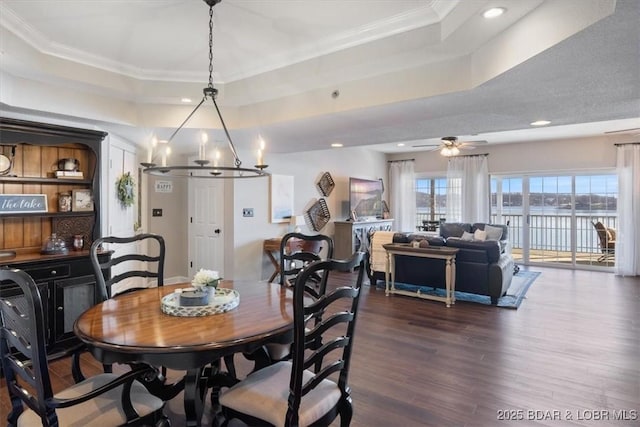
480,235
493,233
467,236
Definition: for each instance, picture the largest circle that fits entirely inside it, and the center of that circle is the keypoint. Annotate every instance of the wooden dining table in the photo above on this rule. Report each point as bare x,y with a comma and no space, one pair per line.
132,328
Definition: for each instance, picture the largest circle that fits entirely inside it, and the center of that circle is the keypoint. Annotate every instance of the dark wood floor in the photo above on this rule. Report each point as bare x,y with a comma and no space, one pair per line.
572,350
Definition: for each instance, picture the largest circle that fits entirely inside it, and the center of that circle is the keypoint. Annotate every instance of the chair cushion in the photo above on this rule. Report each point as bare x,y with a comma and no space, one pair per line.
264,393
103,410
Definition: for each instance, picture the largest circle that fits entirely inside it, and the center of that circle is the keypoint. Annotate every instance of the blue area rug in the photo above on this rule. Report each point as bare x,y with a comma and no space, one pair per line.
512,299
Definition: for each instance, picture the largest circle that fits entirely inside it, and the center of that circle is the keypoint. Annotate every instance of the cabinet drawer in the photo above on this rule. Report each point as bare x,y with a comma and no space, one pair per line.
48,273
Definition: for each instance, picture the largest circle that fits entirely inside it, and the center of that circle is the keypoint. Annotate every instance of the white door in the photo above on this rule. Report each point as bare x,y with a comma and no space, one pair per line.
122,159
206,236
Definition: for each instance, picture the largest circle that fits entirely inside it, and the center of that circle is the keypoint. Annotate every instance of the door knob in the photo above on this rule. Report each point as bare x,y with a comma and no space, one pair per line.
217,231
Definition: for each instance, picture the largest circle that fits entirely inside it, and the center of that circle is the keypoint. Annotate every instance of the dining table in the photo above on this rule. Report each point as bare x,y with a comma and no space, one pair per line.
133,328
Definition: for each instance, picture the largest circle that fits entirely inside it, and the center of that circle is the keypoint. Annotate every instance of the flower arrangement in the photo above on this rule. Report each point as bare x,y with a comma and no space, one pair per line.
206,278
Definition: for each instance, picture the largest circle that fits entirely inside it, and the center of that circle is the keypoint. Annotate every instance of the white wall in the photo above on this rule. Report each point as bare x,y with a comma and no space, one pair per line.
249,261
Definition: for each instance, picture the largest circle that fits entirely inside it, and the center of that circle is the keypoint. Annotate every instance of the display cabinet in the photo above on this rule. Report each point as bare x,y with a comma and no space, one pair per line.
50,163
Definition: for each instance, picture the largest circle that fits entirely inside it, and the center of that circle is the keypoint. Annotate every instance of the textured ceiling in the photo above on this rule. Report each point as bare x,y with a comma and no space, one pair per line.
407,71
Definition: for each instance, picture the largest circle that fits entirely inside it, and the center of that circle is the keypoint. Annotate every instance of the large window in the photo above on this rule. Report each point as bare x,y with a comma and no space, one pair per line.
431,199
552,217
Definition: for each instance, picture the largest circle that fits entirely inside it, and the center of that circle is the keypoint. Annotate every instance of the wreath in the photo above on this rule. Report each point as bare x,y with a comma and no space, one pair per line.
125,186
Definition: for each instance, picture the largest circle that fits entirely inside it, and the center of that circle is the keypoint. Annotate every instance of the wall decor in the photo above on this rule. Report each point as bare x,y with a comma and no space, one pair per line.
281,198
125,187
318,215
82,200
325,184
23,203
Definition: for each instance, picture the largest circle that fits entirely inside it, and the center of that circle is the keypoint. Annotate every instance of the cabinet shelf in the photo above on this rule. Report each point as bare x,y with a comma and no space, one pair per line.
46,214
58,181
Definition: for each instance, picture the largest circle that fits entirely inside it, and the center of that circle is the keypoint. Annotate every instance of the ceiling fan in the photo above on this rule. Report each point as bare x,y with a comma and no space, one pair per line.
450,146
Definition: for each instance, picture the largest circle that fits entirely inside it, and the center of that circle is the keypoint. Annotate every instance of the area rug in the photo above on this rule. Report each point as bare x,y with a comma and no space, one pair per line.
520,284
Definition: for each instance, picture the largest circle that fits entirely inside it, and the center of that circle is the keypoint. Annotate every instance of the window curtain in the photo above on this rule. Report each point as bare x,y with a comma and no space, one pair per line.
628,233
403,197
468,189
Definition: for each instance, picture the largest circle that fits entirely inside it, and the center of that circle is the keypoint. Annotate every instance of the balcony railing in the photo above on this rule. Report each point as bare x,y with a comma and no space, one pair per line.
550,235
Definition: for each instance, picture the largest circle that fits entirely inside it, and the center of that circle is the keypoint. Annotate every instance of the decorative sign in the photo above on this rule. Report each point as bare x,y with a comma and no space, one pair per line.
23,203
164,186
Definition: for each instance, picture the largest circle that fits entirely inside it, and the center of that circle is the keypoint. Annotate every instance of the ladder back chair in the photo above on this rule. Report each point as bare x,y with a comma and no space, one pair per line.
102,400
127,267
297,250
311,389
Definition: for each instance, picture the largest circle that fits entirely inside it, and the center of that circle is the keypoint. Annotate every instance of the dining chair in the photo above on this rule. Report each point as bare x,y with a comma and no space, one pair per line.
297,250
102,400
134,260
311,389
606,240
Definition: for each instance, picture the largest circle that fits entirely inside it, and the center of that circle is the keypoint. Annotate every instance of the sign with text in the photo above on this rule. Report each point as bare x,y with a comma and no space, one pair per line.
23,203
164,187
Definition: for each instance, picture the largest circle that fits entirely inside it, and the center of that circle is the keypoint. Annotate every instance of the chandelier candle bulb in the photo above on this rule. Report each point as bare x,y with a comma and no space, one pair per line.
260,159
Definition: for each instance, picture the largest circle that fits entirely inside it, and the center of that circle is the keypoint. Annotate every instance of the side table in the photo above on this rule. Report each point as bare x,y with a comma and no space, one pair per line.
271,247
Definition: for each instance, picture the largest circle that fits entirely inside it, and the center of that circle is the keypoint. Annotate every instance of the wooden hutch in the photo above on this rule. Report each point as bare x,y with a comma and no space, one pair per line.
66,280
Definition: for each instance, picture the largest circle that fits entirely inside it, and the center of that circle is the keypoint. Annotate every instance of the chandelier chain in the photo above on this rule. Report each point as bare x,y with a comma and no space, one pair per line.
211,46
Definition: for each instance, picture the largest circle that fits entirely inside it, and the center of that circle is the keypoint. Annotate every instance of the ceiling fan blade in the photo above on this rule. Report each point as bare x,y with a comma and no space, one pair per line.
466,147
623,130
426,145
479,142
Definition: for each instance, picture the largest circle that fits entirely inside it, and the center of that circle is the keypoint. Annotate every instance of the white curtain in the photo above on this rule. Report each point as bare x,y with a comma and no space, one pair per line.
468,189
403,195
628,232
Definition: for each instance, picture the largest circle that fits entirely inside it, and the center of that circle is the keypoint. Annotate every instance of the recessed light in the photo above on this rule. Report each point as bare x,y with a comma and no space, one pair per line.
494,12
163,141
336,145
185,100
540,123
401,144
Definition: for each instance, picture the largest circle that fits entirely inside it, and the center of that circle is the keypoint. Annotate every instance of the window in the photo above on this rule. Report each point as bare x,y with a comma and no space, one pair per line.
431,199
552,217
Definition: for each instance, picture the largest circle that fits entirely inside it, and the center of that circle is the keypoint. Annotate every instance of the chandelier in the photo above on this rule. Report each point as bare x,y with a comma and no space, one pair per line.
202,168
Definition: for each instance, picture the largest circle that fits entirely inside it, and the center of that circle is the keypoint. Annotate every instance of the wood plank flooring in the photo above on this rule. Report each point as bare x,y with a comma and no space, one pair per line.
571,352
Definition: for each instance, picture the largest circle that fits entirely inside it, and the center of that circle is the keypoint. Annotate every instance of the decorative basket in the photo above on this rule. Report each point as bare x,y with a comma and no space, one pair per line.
222,301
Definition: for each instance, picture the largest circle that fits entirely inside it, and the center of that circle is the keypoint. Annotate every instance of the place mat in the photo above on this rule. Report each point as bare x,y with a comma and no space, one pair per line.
223,301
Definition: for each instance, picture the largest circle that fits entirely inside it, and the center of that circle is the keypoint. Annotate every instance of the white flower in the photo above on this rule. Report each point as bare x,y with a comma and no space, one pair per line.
206,277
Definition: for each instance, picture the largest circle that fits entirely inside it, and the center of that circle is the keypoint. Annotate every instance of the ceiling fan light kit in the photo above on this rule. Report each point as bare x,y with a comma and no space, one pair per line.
201,168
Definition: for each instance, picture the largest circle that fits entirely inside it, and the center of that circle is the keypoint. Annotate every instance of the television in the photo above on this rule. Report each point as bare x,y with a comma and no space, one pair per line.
365,198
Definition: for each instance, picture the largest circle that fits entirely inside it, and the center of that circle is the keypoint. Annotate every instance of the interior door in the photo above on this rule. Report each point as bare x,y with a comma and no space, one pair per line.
206,217
122,159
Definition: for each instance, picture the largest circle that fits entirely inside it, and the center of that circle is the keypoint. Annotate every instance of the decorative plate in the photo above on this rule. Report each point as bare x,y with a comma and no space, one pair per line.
326,184
319,215
224,300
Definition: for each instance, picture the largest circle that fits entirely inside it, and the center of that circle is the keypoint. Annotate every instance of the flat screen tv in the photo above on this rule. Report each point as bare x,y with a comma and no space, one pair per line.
365,198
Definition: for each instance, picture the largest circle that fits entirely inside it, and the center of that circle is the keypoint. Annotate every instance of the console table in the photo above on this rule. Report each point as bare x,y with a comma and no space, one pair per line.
439,252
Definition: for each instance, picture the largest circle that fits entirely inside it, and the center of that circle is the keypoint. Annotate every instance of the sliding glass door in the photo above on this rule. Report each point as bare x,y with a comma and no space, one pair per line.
552,217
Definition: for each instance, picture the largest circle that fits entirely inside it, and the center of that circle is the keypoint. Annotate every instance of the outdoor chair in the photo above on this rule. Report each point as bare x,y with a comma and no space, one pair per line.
299,391
102,400
606,240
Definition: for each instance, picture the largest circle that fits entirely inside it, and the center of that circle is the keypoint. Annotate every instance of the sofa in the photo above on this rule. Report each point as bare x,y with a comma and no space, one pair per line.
484,264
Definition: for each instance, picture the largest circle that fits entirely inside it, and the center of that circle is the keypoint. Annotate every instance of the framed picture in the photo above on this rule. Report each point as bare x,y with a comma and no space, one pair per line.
281,198
81,200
